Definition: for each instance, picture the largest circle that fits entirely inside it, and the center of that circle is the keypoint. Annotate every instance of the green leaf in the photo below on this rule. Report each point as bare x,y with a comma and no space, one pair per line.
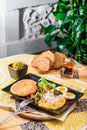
85,59
73,17
61,10
86,28
61,44
49,39
79,24
84,42
70,18
64,6
59,16
50,29
81,10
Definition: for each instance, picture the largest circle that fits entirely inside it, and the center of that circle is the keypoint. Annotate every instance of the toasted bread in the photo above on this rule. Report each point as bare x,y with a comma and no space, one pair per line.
47,61
49,55
34,62
44,64
24,87
59,60
41,64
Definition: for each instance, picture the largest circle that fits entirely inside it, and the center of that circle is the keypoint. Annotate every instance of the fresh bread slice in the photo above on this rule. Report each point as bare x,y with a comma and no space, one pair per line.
44,64
59,60
24,87
49,55
34,62
47,61
41,63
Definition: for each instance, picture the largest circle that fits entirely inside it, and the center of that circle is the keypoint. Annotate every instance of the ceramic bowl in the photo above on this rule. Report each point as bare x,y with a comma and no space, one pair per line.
17,74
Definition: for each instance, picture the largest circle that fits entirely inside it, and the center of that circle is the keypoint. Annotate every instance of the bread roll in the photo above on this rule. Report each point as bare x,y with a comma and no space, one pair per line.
34,62
49,55
41,63
24,87
44,64
59,60
47,61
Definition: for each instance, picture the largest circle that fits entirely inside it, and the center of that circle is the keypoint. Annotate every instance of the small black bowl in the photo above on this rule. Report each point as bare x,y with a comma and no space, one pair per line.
17,74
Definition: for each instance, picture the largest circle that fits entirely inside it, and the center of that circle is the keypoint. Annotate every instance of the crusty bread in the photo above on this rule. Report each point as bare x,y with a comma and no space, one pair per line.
49,55
44,64
47,61
59,60
24,87
34,62
40,63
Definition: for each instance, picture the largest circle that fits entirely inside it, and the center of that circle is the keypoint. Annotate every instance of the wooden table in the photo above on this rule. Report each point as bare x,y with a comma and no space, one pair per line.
75,121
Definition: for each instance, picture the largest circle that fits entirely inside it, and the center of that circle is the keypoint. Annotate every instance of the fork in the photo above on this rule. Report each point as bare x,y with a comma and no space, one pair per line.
22,104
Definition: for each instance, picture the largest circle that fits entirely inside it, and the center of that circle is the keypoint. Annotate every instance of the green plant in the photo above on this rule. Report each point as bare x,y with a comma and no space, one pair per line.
72,32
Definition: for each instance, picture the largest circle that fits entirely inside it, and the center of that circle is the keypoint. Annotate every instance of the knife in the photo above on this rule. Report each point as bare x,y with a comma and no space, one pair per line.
22,104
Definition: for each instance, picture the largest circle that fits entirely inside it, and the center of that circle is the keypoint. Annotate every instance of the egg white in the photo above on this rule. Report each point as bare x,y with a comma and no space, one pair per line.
69,95
65,89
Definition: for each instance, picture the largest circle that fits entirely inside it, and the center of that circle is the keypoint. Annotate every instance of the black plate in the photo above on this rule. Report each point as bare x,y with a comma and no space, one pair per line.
58,111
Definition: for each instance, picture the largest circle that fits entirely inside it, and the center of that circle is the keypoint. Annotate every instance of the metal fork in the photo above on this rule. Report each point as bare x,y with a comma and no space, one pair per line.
22,104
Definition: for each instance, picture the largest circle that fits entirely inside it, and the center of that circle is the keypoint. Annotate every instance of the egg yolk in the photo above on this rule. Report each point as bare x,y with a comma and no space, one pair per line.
62,89
69,94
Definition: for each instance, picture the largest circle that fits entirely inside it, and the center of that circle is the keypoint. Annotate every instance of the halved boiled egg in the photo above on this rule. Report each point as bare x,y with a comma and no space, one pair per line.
62,89
69,95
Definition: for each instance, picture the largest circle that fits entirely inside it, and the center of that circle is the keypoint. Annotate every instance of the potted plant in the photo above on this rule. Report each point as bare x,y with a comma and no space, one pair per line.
71,33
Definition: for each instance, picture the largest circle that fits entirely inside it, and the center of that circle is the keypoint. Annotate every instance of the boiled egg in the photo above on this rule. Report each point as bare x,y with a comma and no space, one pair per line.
62,89
69,95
